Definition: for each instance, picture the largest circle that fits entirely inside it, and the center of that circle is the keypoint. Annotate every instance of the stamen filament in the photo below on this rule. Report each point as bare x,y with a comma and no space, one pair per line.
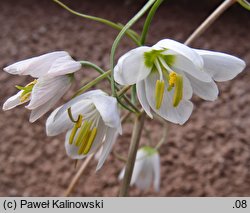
158,67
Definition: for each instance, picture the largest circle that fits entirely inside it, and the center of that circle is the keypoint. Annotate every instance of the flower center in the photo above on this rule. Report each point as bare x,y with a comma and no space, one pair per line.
156,60
84,132
26,91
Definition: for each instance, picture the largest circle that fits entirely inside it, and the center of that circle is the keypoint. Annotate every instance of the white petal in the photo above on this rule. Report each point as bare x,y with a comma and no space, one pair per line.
110,139
121,175
179,114
155,159
42,109
140,158
107,107
221,66
186,59
187,88
131,67
71,149
47,88
36,66
141,94
145,178
84,99
186,66
64,65
182,50
55,127
100,135
205,90
13,101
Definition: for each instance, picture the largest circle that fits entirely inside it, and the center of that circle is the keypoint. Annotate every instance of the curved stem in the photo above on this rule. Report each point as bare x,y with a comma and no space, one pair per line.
149,20
92,65
131,34
92,83
216,14
120,36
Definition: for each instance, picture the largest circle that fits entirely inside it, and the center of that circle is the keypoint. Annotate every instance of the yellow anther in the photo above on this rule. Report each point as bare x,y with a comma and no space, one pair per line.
90,141
172,79
84,142
82,132
75,128
25,97
178,92
159,92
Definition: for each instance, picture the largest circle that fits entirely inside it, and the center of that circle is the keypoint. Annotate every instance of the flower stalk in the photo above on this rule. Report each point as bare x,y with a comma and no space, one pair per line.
149,20
135,140
120,36
92,83
214,16
130,33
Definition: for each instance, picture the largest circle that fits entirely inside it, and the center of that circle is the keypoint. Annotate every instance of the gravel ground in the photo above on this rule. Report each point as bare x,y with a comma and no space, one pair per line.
208,156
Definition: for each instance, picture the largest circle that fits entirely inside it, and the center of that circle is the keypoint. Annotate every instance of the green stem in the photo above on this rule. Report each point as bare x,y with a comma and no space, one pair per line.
120,36
92,65
92,83
245,4
123,90
133,94
149,20
131,34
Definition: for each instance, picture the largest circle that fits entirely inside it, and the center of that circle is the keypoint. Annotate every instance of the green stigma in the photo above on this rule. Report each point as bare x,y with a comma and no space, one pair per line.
26,90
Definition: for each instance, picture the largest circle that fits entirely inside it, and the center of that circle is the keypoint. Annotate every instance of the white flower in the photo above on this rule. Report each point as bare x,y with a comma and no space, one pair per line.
167,74
146,169
52,64
98,124
53,71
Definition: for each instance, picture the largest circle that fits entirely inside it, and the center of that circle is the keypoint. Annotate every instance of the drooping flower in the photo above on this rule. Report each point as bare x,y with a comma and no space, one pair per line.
146,169
54,78
98,124
167,74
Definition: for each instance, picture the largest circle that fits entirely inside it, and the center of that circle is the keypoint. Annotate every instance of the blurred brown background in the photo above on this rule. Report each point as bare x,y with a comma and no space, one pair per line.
208,156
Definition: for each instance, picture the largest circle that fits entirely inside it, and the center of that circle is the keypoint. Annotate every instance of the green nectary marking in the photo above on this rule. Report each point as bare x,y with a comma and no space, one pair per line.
149,150
169,59
151,56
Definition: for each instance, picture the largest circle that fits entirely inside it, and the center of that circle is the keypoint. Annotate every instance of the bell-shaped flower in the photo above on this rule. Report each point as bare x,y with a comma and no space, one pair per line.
97,124
53,71
50,64
146,170
167,74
